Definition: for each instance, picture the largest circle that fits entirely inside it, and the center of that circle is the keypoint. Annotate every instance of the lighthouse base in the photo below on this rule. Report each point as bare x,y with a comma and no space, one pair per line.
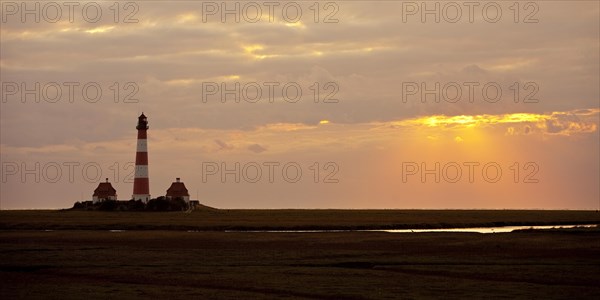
143,197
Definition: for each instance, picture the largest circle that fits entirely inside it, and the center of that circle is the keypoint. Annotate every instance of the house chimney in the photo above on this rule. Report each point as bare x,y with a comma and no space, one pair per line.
106,179
177,179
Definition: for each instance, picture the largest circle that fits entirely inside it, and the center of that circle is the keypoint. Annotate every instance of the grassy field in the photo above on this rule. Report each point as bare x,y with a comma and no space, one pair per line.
240,219
98,264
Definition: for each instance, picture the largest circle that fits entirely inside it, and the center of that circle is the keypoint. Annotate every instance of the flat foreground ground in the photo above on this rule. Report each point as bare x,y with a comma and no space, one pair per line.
100,264
209,219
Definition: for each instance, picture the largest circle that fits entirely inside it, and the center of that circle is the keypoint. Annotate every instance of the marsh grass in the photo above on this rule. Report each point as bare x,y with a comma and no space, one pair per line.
291,219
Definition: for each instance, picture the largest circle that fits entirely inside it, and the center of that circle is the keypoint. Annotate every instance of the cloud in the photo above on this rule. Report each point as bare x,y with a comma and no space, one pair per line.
568,123
365,58
222,145
170,52
256,148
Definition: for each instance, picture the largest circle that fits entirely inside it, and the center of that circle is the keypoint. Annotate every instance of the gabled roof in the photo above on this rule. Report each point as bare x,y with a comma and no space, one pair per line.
105,189
177,189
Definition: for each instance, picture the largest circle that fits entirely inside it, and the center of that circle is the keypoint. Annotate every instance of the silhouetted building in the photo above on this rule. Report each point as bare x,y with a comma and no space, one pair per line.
104,191
178,189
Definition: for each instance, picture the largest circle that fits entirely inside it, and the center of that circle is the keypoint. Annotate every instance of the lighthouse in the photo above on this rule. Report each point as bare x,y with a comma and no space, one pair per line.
141,186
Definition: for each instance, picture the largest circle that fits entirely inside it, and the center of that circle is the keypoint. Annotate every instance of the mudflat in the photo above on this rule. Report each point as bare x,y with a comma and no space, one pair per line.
99,263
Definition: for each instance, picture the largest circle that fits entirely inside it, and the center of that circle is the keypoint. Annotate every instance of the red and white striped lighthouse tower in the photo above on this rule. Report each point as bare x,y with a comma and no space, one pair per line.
141,185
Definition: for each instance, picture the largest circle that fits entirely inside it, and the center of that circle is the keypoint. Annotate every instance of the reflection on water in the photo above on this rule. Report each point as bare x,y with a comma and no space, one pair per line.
489,229
499,229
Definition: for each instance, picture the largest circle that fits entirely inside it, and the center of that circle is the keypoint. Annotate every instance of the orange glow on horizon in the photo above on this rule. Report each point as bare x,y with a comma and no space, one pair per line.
477,120
561,123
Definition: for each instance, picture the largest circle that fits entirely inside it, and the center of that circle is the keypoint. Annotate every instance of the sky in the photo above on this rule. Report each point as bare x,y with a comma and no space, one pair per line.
304,104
